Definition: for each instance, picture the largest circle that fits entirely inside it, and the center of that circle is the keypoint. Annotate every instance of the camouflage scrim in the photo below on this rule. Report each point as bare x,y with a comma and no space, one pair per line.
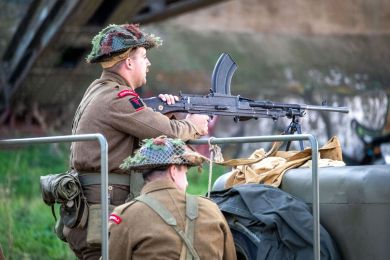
116,39
162,151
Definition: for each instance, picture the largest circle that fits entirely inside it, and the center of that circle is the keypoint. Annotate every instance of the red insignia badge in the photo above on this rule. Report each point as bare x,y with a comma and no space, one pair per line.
127,92
115,218
136,103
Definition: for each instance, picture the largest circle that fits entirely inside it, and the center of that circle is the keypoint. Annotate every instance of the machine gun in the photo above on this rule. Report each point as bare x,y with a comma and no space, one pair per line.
220,102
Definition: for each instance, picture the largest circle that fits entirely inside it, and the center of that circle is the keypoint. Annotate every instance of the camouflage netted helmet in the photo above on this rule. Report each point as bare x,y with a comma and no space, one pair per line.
117,39
160,152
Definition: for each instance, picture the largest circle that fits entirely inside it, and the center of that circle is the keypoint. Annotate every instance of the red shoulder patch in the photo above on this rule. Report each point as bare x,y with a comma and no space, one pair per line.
127,92
115,218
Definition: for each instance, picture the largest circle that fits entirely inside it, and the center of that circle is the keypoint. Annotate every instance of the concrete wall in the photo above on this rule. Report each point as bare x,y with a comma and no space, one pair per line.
293,17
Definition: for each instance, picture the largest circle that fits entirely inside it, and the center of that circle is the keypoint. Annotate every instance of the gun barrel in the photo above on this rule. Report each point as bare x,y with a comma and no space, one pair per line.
326,108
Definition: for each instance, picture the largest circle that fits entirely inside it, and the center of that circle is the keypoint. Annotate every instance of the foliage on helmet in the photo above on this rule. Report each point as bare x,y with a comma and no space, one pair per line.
116,39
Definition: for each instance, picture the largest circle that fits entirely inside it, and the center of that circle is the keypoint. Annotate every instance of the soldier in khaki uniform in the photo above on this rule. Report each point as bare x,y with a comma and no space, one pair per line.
149,227
110,106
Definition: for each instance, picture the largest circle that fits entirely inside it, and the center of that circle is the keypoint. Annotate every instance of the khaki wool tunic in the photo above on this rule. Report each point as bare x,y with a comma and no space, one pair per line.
139,233
113,113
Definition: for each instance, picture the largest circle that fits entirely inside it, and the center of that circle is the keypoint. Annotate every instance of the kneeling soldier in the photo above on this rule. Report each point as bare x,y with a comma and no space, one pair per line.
165,222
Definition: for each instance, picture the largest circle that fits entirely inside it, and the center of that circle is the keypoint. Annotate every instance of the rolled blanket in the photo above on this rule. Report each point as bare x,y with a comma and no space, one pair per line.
60,188
65,189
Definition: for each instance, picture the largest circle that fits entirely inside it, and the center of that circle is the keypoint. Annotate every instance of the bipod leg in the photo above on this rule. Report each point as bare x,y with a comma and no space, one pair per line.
293,127
299,131
289,130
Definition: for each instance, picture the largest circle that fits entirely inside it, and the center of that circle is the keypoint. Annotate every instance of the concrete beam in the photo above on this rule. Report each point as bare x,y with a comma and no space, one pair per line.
162,9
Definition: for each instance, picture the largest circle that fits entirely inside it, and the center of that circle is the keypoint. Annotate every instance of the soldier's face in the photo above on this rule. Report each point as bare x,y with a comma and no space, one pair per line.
140,67
179,176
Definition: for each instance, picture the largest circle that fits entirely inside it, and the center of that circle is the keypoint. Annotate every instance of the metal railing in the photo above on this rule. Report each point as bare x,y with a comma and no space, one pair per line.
315,183
104,169
253,139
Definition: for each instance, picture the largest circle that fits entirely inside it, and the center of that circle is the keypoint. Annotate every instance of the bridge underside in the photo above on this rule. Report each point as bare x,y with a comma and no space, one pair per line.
48,48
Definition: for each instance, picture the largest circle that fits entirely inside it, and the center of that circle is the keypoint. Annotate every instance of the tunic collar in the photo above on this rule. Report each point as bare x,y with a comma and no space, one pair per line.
158,185
109,75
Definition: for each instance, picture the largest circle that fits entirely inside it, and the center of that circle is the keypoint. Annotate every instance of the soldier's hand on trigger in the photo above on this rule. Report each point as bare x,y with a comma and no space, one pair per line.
170,99
200,121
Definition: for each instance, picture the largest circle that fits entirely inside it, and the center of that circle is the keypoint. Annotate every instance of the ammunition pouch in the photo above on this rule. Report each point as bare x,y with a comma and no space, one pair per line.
94,230
65,189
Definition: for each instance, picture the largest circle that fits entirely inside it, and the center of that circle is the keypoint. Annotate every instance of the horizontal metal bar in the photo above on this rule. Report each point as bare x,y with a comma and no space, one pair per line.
104,169
49,139
252,139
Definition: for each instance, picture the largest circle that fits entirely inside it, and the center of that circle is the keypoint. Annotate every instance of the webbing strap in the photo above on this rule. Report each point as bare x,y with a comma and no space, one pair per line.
191,207
92,178
192,214
170,219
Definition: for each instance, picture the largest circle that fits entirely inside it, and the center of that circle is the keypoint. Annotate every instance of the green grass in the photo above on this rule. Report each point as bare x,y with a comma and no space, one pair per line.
198,182
26,222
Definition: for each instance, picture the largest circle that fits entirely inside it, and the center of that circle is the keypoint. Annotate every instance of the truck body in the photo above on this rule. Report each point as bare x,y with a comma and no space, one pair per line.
354,206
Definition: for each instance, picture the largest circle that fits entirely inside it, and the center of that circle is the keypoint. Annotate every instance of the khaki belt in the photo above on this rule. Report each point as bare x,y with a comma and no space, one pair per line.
95,178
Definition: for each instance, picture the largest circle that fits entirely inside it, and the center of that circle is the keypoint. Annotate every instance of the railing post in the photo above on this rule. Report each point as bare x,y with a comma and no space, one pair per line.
104,195
316,196
104,170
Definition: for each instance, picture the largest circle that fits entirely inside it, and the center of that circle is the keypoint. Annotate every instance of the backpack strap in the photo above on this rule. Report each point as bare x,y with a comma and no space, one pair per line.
168,218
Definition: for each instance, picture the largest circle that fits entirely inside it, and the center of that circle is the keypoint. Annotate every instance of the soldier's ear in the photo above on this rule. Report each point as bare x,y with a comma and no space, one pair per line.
171,173
172,169
128,63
